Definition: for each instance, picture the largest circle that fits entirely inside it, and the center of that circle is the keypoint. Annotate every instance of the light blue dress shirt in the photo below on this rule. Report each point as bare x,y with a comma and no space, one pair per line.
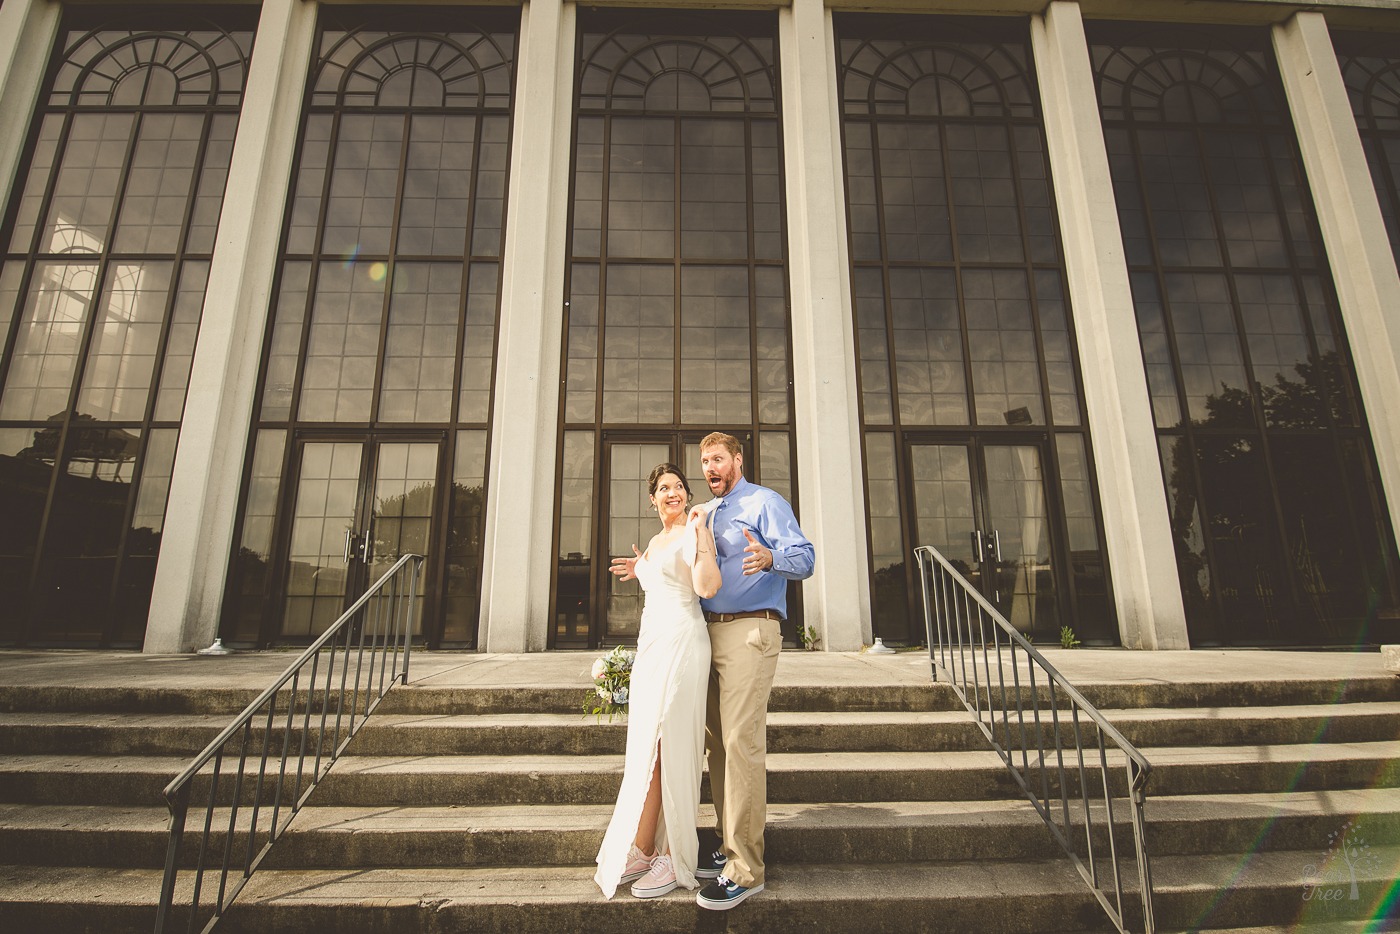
766,514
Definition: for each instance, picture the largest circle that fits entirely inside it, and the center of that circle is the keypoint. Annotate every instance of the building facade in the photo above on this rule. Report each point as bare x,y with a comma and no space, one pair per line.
1098,299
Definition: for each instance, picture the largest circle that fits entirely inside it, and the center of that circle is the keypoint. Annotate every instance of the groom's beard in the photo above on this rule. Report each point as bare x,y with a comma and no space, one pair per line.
721,484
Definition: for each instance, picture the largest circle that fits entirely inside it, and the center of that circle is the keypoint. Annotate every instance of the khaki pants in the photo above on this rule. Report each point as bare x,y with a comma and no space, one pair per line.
743,658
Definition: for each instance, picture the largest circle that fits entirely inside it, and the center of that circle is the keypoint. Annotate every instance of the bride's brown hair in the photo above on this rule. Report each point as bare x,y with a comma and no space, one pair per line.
659,471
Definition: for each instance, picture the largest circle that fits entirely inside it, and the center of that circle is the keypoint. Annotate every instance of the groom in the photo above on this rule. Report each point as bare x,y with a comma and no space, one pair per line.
760,548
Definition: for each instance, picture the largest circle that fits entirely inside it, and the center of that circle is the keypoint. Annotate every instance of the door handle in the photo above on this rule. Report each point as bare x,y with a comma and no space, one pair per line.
994,553
349,537
977,545
365,547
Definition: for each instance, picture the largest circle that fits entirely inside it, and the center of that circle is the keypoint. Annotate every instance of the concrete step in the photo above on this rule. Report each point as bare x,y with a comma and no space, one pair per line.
483,734
560,698
1041,896
101,700
185,735
876,832
1358,722
1369,926
847,777
566,734
877,731
791,731
122,780
568,698
1227,694
792,777
829,832
933,696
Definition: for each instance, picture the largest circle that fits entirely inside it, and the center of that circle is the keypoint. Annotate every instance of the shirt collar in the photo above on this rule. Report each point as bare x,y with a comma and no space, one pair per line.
737,489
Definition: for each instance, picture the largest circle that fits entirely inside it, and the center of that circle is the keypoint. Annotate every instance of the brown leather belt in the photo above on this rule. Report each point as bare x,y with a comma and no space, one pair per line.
747,614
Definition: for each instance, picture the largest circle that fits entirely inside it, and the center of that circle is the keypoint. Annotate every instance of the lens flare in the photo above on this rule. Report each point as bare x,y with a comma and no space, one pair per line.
1387,909
377,271
1386,904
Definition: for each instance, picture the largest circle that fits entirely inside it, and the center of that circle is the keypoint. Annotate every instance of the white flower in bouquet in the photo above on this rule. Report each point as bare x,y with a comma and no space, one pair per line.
612,677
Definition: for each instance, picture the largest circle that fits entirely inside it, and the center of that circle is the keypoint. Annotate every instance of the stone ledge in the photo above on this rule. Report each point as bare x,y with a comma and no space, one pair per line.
1390,658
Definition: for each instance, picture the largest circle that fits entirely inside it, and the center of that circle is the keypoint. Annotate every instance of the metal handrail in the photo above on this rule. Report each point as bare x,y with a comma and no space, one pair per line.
376,617
1055,780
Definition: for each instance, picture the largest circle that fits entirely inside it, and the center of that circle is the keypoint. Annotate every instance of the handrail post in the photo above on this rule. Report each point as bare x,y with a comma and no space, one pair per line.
409,616
179,809
928,614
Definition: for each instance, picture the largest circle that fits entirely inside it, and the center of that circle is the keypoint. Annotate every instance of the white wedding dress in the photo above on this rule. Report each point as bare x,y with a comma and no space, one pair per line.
666,705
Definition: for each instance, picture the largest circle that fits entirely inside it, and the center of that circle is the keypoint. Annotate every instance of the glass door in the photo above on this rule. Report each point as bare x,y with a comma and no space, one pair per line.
359,504
630,521
984,506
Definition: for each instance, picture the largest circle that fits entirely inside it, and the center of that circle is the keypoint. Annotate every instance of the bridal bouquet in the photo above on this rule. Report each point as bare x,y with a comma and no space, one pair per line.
612,676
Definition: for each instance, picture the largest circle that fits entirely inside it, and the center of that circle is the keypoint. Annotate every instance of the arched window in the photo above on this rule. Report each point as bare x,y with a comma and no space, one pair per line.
368,68
1209,86
916,77
383,326
200,67
669,74
970,400
1269,473
677,317
107,248
1371,69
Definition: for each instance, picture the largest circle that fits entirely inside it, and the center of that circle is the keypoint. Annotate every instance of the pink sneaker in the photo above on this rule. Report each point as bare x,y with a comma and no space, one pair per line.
638,865
660,880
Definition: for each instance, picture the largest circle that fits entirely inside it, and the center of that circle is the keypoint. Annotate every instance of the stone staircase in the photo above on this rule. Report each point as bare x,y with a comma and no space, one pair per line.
462,809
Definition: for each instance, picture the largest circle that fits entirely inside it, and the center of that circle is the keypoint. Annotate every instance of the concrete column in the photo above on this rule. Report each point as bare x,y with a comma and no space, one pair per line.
27,31
1358,249
836,599
1137,530
520,491
200,516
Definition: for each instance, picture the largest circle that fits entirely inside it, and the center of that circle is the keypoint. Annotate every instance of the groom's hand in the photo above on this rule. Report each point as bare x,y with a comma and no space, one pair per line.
759,558
625,568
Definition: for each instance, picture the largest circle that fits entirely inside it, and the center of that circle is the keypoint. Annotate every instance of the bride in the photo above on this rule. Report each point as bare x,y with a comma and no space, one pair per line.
651,837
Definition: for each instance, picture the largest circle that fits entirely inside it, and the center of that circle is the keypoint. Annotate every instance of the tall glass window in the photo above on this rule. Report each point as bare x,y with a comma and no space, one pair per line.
1278,517
372,420
107,246
677,317
970,401
1371,69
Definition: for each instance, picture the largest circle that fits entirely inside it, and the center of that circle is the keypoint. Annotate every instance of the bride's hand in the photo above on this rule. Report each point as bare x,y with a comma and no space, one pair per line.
625,568
703,513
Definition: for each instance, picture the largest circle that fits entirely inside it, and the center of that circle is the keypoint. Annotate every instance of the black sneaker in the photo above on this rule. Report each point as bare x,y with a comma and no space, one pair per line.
722,895
710,863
